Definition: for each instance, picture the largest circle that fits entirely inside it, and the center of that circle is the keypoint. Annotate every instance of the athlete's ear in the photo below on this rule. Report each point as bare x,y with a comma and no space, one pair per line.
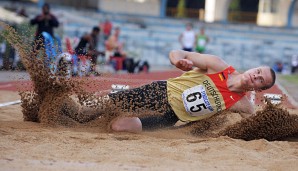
259,90
249,89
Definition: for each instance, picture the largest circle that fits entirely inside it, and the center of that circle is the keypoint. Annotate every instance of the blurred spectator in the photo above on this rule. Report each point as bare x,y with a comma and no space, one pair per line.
201,41
9,56
278,67
141,66
22,12
106,27
2,51
8,52
114,46
117,57
87,47
187,38
45,22
286,68
294,63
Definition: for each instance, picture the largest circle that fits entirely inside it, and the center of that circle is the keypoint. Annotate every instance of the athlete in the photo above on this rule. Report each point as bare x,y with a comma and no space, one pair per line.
86,48
208,86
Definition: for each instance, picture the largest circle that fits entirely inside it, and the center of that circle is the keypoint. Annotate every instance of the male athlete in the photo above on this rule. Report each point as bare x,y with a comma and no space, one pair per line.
208,86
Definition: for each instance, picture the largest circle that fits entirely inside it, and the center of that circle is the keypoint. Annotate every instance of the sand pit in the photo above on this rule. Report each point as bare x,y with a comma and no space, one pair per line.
34,146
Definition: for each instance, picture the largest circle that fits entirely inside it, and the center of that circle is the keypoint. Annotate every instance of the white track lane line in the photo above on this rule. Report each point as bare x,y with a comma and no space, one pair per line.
10,103
290,98
5,85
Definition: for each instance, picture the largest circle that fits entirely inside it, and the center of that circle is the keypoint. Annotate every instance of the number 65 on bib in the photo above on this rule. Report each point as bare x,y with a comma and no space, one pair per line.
196,101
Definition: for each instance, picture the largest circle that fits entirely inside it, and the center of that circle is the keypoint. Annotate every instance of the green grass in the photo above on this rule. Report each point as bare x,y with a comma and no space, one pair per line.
290,78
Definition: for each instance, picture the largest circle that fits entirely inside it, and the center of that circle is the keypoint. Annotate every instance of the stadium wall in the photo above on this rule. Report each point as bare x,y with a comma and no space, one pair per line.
91,4
136,7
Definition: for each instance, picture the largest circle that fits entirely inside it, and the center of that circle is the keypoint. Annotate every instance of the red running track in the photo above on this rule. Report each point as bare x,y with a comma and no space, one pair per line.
103,83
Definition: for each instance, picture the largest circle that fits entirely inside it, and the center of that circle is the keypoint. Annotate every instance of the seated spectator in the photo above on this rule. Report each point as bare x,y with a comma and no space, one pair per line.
114,53
141,66
278,67
294,63
113,45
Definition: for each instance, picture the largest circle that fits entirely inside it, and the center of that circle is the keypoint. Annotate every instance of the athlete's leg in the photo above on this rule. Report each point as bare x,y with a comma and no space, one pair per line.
127,124
135,124
159,121
151,97
80,114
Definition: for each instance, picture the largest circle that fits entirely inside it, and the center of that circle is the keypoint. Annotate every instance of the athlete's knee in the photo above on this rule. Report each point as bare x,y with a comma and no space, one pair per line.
129,124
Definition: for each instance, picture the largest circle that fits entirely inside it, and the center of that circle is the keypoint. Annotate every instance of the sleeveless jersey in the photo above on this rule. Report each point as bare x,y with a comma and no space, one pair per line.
188,39
201,43
195,95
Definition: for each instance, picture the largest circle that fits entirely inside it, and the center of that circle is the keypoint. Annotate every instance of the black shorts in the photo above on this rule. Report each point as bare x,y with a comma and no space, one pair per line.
80,51
187,49
150,97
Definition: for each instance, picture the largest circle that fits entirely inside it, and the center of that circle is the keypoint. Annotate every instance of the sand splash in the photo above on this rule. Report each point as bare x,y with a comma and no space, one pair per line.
54,98
271,123
43,103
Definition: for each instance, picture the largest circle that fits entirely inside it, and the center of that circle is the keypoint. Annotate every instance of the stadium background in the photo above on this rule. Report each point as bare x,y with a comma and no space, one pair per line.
262,31
150,33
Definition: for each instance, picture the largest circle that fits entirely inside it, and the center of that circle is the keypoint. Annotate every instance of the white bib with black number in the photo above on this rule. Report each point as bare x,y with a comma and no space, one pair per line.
201,42
196,101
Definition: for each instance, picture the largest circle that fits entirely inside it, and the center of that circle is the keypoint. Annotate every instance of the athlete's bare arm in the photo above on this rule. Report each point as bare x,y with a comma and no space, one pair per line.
244,106
187,60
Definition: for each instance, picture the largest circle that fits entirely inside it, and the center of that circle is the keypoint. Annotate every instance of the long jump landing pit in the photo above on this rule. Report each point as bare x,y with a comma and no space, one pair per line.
34,146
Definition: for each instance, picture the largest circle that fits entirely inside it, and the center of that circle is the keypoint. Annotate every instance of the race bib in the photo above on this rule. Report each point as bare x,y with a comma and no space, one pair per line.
202,42
196,101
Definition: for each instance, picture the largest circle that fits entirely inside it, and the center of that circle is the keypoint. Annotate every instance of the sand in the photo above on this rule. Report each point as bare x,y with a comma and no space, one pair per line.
34,146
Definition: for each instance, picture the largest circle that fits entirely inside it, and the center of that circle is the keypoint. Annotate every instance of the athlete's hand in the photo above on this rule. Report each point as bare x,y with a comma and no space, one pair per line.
184,64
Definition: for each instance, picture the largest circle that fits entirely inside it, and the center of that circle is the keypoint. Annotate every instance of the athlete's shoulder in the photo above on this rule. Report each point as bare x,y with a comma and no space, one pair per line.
217,65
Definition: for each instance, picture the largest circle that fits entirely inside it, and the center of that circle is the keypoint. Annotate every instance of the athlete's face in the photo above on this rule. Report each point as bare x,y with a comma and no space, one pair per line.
256,78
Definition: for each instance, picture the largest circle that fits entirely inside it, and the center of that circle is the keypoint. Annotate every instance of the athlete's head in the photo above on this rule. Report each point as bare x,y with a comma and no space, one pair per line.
260,78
